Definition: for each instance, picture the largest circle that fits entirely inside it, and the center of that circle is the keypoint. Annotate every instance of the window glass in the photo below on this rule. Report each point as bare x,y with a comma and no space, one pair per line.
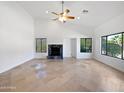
41,45
38,45
88,45
85,45
44,45
82,45
123,45
114,45
104,39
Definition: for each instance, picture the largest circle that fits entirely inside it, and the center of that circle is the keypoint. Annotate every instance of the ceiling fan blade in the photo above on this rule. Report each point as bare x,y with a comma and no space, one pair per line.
70,17
61,14
54,13
55,19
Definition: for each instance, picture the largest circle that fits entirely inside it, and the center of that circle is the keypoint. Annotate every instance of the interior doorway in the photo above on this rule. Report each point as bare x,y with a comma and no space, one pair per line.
73,47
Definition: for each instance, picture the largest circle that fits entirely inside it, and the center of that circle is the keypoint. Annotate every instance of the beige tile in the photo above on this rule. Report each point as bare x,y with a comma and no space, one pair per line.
63,75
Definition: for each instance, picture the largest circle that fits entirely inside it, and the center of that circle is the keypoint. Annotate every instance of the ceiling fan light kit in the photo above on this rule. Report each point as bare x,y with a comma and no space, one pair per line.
78,17
63,17
47,12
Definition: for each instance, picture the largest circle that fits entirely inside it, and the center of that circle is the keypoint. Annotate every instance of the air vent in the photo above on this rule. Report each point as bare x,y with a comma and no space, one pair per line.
84,11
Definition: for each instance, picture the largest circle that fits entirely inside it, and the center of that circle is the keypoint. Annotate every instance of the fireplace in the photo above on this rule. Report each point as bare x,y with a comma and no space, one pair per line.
55,51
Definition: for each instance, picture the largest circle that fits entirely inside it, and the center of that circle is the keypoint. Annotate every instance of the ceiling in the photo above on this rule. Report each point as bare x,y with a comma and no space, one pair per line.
99,11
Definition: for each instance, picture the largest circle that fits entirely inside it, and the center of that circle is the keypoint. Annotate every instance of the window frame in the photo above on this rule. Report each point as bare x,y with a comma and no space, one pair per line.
107,45
41,45
85,39
123,45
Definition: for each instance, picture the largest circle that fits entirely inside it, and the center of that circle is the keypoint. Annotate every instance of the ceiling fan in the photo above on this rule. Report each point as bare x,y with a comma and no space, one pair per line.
63,17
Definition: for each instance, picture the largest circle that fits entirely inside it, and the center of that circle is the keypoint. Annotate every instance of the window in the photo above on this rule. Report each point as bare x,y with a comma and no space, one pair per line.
104,40
82,45
123,45
41,45
112,45
86,45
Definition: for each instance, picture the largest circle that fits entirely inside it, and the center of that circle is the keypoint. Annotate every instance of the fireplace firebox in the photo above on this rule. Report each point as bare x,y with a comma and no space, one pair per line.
55,52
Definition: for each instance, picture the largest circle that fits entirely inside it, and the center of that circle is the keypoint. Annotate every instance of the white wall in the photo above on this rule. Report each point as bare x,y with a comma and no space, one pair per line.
16,36
59,33
74,47
66,47
113,26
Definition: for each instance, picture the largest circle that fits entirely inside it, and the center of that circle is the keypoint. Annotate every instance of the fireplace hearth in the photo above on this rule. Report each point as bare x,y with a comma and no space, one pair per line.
55,52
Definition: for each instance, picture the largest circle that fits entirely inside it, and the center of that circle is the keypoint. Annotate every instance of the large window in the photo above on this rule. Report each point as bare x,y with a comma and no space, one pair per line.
123,45
113,45
41,45
86,45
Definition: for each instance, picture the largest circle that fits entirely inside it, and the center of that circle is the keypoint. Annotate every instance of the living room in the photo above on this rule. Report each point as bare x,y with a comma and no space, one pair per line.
46,42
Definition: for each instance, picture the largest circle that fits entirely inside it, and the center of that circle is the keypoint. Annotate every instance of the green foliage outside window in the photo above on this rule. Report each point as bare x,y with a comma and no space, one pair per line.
112,45
85,45
41,45
123,45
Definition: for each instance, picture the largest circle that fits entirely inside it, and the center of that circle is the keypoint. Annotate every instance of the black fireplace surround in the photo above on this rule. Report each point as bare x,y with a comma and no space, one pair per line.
55,51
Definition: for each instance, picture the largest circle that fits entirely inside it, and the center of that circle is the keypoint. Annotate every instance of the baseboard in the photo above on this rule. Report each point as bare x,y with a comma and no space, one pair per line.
108,65
5,70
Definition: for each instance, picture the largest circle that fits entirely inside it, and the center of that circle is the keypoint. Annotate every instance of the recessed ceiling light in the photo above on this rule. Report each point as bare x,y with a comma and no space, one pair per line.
78,18
84,11
47,12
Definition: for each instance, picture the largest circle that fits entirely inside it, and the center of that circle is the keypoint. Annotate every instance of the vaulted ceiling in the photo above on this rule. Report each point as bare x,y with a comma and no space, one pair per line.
99,12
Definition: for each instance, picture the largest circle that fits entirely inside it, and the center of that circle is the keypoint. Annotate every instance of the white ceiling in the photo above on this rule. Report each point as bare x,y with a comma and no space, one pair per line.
99,11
